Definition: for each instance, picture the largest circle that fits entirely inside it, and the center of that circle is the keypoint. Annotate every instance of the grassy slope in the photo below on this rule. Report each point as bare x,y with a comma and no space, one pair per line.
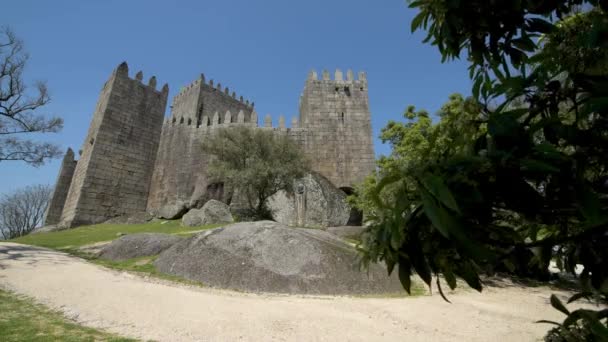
24,320
73,238
69,241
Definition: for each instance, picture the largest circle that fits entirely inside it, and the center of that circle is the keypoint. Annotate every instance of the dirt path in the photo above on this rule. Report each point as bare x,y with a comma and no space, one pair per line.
136,307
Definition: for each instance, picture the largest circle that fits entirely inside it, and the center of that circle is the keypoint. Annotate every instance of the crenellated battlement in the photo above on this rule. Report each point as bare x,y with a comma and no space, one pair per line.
338,76
123,71
228,119
201,83
216,120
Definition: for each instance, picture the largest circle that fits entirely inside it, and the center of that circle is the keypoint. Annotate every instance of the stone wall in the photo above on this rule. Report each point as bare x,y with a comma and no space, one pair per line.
338,135
113,175
206,104
334,131
180,169
62,187
131,161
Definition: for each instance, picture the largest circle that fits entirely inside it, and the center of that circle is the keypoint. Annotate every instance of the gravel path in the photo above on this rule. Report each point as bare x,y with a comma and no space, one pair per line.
150,309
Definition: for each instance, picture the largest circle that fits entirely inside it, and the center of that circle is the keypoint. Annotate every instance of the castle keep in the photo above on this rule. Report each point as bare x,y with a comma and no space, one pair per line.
134,160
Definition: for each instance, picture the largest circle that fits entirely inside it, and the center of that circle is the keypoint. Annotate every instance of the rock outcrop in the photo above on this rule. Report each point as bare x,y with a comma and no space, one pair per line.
266,256
314,202
172,211
212,212
347,232
137,245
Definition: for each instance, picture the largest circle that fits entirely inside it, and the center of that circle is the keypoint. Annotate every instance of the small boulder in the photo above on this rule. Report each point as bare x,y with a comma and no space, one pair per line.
137,245
212,212
172,211
315,202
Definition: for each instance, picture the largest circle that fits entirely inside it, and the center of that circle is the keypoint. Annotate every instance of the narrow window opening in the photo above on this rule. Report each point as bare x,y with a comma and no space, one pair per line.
189,122
347,91
173,120
199,117
342,117
337,89
181,121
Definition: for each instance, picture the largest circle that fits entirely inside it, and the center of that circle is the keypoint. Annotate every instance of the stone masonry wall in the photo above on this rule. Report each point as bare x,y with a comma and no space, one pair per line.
113,175
180,168
131,161
202,104
62,186
334,131
335,115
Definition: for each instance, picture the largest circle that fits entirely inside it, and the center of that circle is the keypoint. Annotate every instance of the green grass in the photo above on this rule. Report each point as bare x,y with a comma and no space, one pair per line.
71,240
23,320
142,266
86,235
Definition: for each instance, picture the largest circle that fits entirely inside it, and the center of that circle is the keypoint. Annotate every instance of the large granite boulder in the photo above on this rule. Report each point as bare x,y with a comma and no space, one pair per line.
206,192
314,202
266,256
212,212
137,245
172,211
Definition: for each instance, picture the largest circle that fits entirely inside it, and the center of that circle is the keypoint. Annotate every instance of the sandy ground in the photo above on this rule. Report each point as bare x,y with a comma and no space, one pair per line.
144,308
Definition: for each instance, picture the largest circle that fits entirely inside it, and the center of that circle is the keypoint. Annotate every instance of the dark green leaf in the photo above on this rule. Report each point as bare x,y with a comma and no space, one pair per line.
468,274
435,185
449,278
590,205
417,3
390,265
417,21
441,290
503,125
557,304
420,264
405,271
525,44
539,25
477,86
449,226
537,166
578,296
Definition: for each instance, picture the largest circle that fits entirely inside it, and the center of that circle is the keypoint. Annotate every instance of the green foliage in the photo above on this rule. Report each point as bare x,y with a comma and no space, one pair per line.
520,179
86,235
256,163
24,320
579,325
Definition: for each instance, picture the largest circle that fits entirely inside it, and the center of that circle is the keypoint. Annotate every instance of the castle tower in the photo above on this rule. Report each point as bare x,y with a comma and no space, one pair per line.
335,113
180,171
200,100
113,174
62,186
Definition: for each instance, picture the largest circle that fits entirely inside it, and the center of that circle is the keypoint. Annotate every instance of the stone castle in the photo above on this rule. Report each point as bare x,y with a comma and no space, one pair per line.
134,160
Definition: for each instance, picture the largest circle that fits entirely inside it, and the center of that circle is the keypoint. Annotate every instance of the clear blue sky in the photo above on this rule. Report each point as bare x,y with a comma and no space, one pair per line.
261,49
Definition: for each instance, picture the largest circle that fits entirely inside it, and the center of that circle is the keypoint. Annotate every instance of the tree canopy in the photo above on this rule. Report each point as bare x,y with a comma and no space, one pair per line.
255,163
515,176
18,107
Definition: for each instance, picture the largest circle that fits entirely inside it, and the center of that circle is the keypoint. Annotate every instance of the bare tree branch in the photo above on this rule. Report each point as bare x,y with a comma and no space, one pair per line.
17,107
23,211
